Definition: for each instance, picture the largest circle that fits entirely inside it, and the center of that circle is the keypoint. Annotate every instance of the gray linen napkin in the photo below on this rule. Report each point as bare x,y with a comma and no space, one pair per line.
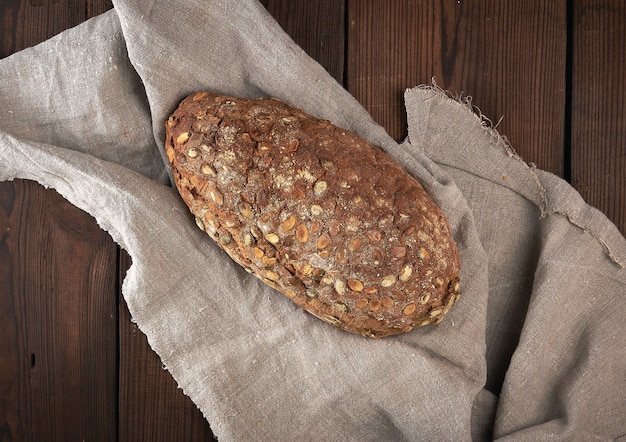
543,276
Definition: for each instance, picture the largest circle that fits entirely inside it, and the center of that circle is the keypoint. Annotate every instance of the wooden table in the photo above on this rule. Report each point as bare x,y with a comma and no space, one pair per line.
550,75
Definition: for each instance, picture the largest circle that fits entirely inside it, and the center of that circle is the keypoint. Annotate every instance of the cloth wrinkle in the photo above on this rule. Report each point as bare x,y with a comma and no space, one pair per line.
524,236
546,207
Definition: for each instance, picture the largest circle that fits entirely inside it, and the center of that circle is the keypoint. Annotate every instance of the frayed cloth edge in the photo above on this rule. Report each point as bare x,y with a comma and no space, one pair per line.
466,102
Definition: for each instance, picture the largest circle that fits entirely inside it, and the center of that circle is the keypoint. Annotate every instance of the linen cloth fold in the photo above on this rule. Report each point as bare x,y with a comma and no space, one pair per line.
533,349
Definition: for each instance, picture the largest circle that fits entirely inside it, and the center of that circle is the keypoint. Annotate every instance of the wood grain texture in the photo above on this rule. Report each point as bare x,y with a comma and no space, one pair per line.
151,407
72,363
317,27
26,23
59,370
57,285
509,56
598,141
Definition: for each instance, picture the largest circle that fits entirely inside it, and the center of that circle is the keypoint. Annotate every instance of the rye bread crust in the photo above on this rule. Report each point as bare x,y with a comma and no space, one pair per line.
314,211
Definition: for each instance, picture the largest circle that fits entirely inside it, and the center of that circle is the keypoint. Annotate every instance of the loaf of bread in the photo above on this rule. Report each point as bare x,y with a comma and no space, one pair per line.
314,211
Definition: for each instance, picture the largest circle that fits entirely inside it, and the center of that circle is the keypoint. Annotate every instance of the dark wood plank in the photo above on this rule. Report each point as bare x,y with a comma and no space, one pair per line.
509,56
151,407
598,152
59,320
58,304
26,23
317,27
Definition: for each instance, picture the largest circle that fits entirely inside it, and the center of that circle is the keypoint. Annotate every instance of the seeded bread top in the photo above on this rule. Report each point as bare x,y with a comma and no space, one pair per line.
314,211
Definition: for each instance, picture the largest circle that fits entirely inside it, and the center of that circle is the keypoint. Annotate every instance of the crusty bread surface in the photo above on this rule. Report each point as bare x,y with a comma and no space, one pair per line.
314,211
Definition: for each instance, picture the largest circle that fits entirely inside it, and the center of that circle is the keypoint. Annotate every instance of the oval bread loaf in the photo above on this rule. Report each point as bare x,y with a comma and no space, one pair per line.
314,211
